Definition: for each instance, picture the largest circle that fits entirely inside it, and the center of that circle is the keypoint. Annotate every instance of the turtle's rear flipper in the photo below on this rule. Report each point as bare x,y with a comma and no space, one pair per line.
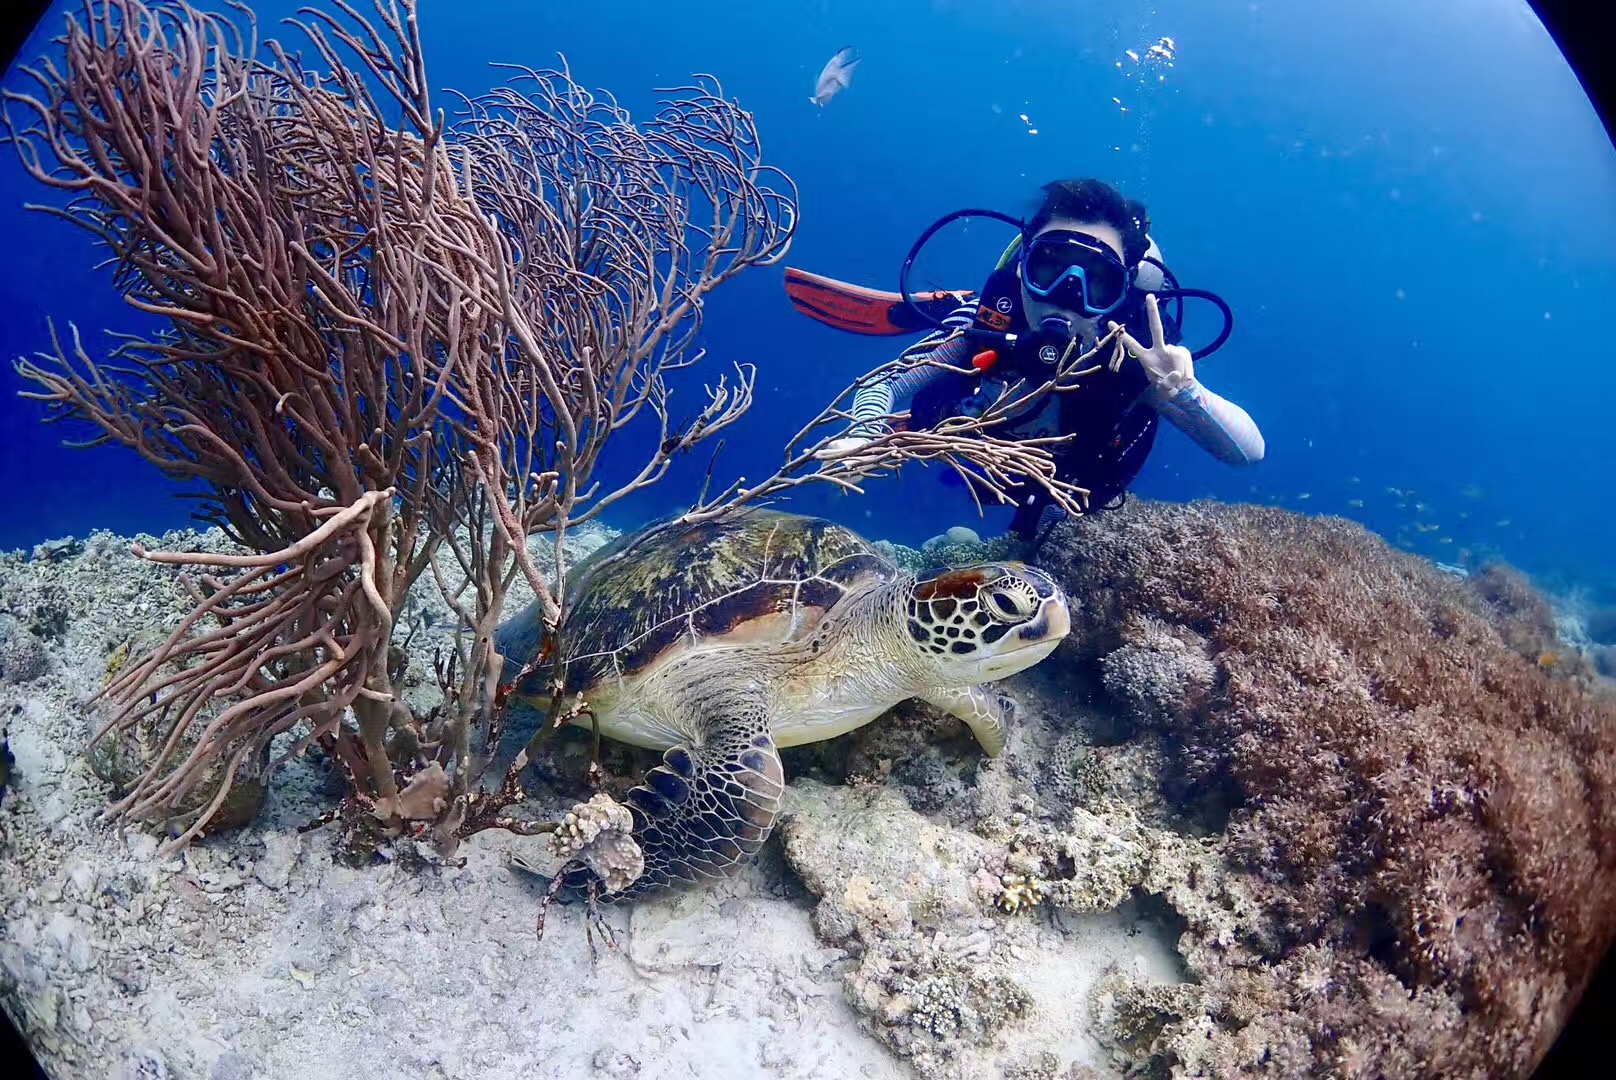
706,809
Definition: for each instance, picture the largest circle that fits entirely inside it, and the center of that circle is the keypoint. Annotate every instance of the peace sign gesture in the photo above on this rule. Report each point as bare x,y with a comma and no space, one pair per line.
1169,366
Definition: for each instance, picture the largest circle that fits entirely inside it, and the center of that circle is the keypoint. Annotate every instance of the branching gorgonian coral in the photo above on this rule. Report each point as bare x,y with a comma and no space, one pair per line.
392,344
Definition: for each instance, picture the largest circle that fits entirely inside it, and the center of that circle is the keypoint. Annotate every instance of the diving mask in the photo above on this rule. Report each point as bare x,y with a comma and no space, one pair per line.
1074,271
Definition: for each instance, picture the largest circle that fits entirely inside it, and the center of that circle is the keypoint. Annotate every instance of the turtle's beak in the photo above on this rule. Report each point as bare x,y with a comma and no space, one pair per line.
1033,640
1052,623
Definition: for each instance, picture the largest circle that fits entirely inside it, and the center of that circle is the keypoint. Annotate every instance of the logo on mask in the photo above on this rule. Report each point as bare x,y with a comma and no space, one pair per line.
1048,354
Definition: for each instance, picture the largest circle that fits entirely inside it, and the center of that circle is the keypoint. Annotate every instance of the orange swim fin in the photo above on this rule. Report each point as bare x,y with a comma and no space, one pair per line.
859,310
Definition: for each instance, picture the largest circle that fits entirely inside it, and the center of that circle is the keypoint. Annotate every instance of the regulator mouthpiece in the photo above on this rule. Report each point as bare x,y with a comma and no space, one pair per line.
1058,326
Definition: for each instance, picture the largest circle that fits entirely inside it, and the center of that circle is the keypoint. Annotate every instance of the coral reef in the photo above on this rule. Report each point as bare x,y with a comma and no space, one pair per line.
92,602
1417,795
951,958
99,605
22,655
958,546
1373,821
369,373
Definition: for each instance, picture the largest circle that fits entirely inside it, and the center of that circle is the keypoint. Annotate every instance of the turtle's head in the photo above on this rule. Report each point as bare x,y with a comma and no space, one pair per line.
984,622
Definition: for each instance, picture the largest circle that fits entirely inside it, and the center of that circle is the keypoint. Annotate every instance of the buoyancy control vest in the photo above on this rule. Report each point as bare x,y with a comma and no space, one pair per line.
1111,427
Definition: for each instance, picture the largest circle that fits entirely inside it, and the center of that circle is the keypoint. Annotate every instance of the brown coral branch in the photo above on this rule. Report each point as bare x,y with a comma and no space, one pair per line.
310,261
968,444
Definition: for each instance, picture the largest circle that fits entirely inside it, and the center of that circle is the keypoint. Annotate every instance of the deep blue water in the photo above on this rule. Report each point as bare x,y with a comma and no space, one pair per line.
1411,207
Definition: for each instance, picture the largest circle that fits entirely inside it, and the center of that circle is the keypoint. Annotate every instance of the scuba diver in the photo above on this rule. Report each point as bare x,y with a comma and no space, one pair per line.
1083,264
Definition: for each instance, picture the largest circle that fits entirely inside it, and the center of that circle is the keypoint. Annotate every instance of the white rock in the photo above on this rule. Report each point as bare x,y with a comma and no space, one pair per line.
71,940
81,875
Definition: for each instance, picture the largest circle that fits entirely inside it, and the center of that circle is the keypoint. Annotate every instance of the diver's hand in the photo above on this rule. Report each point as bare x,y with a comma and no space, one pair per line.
838,448
1170,367
834,451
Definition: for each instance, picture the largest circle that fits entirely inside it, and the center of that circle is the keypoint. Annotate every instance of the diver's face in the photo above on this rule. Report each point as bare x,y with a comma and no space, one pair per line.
1038,310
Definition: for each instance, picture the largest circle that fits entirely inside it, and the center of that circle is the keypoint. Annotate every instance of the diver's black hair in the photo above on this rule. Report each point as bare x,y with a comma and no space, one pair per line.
1095,200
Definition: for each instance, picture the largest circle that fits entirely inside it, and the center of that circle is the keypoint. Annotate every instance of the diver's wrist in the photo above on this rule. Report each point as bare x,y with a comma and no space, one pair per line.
1178,386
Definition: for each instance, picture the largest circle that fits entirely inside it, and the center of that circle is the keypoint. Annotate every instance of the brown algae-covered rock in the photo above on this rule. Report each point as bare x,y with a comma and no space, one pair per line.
1408,781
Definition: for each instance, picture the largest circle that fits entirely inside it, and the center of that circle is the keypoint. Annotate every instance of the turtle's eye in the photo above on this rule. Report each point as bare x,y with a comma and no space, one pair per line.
1011,605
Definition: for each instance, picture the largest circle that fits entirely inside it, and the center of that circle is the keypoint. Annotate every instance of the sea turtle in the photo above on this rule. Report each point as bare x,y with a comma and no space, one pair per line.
722,641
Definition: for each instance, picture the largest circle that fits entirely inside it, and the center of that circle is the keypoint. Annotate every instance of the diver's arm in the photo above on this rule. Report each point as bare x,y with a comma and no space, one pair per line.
1219,426
875,400
882,397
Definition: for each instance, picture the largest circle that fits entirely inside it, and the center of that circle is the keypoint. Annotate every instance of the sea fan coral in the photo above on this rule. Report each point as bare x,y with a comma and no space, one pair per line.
1425,811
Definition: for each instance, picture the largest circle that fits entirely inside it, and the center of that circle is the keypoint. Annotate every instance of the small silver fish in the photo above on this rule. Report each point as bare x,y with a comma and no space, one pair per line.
837,76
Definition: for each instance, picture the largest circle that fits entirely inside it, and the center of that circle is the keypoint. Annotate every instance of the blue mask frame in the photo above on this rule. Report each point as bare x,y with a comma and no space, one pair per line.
1071,288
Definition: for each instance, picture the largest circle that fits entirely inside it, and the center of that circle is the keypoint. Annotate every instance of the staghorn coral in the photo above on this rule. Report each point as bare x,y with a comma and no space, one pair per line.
1524,619
1421,809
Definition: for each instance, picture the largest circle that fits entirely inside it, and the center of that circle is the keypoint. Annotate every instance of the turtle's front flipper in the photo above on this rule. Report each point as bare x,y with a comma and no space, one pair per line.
984,711
708,807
